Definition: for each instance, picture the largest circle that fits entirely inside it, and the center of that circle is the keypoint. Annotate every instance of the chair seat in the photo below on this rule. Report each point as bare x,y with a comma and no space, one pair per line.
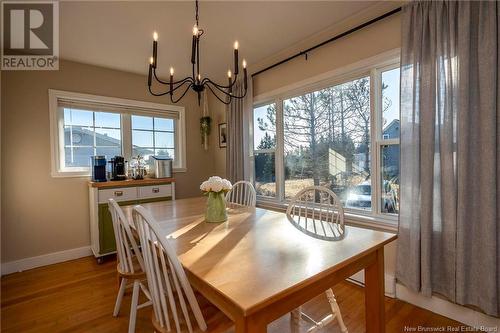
216,320
138,272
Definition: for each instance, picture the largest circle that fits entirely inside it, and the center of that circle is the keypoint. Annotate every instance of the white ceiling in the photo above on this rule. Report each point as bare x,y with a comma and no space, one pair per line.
118,34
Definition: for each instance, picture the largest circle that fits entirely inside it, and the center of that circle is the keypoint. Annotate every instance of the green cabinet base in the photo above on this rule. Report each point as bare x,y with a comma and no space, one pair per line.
107,243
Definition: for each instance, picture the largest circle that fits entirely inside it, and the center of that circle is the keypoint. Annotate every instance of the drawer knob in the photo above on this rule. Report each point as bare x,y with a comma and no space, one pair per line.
118,193
156,190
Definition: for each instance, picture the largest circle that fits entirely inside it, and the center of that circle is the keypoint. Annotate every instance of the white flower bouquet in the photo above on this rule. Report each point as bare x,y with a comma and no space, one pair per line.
216,184
216,188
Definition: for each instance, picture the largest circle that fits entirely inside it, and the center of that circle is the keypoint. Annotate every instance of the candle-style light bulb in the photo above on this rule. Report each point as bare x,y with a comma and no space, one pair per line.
151,60
155,49
171,81
236,65
199,78
193,46
230,80
245,76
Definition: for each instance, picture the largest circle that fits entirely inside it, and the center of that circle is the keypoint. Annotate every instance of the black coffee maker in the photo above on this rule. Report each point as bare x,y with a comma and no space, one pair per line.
118,168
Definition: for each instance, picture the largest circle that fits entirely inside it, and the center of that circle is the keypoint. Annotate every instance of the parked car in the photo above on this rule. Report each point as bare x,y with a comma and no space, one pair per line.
360,197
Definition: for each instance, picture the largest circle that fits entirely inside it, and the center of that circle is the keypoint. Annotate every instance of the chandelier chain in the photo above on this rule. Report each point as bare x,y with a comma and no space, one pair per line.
197,16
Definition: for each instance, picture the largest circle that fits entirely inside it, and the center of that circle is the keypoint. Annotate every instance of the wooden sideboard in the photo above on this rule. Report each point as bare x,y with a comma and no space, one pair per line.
126,192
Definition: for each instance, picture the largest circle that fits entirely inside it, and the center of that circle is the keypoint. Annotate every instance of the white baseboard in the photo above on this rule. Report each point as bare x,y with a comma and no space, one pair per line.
46,259
445,308
390,283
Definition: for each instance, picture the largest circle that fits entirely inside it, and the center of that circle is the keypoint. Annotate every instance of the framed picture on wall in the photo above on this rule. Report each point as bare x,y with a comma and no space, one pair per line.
223,135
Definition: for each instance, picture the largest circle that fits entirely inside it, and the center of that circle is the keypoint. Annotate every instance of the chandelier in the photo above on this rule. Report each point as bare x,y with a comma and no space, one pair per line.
195,81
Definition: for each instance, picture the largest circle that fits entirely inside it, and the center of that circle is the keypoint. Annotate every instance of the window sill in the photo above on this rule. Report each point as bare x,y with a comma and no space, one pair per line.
85,174
381,223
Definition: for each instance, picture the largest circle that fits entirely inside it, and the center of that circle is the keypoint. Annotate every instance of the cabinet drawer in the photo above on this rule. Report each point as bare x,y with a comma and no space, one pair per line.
155,191
119,194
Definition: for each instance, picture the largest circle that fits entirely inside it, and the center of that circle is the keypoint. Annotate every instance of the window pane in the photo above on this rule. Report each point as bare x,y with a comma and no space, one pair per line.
109,152
327,142
162,124
140,122
390,178
146,152
106,119
78,117
107,137
265,177
78,156
165,153
390,104
164,140
264,133
78,136
142,138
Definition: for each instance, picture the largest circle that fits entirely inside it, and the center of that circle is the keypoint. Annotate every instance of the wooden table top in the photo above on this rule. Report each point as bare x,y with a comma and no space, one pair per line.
257,256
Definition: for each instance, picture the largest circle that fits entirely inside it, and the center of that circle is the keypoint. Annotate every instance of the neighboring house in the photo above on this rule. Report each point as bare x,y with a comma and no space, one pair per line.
391,153
79,146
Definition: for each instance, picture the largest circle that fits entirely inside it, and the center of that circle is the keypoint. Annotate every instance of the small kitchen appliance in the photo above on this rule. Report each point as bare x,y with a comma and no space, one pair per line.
160,167
118,168
98,166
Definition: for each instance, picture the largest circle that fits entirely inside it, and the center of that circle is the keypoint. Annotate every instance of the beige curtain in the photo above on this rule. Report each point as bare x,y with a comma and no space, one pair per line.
449,233
238,113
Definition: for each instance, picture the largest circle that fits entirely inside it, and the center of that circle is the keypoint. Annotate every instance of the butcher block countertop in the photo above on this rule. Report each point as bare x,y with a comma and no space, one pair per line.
131,182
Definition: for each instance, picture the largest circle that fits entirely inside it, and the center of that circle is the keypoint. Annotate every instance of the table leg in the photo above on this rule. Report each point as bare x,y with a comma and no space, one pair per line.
374,294
250,325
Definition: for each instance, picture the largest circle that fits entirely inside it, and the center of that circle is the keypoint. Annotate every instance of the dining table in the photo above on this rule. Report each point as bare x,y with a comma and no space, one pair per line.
256,267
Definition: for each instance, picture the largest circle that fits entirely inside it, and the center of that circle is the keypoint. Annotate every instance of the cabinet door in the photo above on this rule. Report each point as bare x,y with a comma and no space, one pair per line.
106,234
107,243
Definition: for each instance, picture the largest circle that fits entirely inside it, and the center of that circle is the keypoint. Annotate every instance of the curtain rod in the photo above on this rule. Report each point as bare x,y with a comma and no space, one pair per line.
334,38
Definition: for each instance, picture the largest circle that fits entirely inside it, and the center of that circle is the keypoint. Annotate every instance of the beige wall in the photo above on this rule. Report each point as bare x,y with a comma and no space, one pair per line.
218,114
382,36
41,214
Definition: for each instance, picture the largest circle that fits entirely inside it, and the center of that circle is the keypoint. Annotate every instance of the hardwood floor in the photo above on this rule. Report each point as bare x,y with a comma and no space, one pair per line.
79,295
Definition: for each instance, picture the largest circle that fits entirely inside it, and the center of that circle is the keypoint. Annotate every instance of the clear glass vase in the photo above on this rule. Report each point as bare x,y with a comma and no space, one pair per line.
216,208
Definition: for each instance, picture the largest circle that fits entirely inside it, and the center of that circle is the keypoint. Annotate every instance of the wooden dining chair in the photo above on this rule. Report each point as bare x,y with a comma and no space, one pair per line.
172,295
130,264
318,212
242,193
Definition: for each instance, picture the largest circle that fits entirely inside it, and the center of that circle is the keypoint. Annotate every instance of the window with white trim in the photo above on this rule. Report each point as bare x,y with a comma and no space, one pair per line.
85,125
343,135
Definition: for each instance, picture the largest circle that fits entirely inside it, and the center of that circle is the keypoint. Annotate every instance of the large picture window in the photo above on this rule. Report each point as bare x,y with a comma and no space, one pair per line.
344,136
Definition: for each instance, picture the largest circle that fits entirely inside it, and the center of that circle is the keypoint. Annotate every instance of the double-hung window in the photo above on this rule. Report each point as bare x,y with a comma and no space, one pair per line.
85,125
343,135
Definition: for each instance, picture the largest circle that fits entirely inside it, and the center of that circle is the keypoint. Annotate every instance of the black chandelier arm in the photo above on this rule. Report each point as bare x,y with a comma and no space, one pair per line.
157,94
217,96
183,94
168,82
223,91
220,85
186,80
